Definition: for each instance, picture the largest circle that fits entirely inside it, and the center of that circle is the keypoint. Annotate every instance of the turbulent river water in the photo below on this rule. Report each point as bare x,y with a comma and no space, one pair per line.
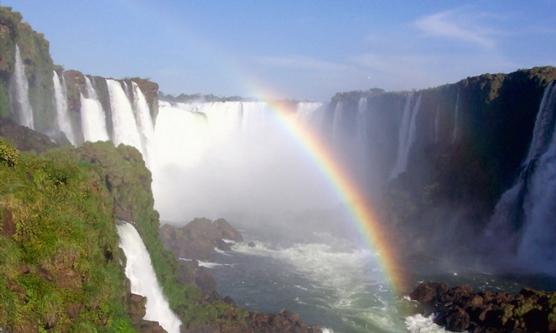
330,284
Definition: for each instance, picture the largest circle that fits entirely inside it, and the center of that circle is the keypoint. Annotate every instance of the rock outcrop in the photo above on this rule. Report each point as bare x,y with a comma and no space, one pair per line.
461,309
199,238
24,138
195,241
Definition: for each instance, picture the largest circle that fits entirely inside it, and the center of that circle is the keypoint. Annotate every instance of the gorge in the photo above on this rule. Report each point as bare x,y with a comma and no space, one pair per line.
459,178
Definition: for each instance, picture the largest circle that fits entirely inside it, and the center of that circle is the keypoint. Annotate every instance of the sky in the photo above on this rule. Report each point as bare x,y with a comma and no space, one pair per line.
302,49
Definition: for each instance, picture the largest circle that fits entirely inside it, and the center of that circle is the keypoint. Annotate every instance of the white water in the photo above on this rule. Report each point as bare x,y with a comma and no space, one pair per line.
362,134
436,124
420,324
20,91
61,103
144,121
123,119
93,117
406,135
455,131
322,262
540,203
143,280
308,112
530,204
347,280
205,264
337,120
229,159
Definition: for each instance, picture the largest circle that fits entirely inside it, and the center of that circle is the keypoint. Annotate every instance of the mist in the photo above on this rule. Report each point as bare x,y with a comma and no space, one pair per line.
236,160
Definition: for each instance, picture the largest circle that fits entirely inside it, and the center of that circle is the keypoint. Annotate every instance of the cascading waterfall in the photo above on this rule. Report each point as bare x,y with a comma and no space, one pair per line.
436,124
19,87
337,120
141,275
529,206
216,156
93,117
455,131
406,135
123,119
144,120
310,113
62,112
362,121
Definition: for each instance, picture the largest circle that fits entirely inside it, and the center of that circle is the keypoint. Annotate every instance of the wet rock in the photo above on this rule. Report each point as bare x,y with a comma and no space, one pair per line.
199,238
136,307
457,320
462,309
25,139
147,326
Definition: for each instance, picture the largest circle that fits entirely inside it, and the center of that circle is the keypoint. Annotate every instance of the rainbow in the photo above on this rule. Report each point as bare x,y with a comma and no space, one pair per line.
373,232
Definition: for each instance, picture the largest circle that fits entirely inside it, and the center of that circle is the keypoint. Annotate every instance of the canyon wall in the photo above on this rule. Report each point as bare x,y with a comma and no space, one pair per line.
441,158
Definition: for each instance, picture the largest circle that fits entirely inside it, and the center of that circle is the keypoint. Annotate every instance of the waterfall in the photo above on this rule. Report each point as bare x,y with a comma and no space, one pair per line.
143,280
307,111
93,118
362,121
62,112
123,119
337,120
406,134
144,120
19,87
527,209
228,158
436,124
455,131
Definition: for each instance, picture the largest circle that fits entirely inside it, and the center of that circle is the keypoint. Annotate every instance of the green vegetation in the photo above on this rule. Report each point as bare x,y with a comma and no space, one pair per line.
129,181
8,154
59,255
38,67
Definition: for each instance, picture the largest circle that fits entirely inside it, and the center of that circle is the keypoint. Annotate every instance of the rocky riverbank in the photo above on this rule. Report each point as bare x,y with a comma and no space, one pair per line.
199,240
462,309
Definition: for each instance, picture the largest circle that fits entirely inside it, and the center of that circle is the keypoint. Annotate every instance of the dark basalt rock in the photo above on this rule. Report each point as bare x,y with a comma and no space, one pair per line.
199,238
136,310
136,307
25,139
462,309
147,326
282,322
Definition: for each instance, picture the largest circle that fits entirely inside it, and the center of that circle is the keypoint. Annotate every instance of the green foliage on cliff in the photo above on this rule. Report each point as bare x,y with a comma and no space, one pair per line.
38,67
59,255
129,182
8,154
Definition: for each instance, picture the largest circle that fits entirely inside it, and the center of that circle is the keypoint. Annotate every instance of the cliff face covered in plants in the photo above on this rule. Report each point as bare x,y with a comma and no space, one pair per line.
61,265
34,50
60,259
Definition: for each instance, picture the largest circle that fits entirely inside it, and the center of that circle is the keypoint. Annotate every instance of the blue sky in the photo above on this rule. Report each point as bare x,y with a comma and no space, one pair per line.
298,48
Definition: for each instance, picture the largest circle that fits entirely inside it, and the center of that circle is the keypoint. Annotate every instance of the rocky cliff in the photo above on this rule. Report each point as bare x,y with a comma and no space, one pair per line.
35,54
460,309
440,157
39,69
